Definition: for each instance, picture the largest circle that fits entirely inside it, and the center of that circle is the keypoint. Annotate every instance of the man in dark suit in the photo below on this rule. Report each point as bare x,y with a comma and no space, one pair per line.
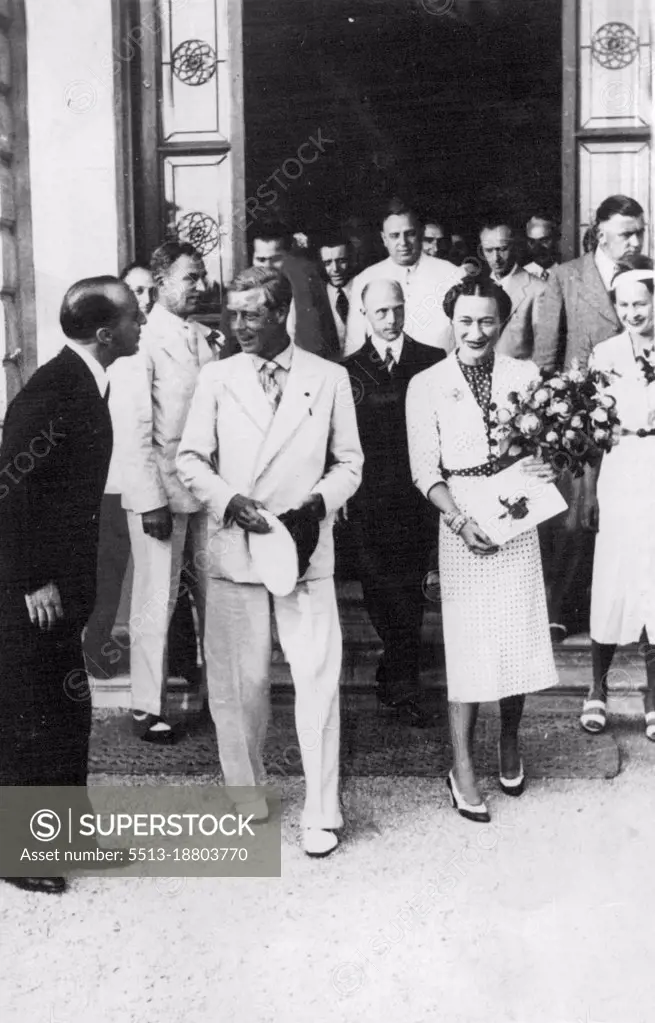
574,314
391,524
54,460
310,324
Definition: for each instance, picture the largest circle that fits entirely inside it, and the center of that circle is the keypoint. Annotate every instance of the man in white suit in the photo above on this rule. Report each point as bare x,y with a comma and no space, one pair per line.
425,281
273,427
155,397
498,245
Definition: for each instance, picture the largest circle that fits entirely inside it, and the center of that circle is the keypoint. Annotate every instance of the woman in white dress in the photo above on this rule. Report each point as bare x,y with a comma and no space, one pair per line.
621,498
495,622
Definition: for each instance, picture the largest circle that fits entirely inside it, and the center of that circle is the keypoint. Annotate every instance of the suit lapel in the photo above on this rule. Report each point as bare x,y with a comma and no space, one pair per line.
245,388
302,388
592,291
516,289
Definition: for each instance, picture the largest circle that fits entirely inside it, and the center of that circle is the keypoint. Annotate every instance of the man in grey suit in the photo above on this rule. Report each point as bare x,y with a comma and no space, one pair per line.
499,249
574,314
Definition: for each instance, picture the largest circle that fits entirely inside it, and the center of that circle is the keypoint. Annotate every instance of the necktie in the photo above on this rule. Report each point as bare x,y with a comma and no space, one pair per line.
270,384
105,396
389,361
342,305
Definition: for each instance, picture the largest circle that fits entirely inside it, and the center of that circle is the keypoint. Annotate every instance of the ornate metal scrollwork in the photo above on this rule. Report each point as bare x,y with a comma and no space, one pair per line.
614,45
194,62
200,230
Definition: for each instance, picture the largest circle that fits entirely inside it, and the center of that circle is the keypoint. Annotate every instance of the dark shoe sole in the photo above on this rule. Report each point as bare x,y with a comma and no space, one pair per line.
36,884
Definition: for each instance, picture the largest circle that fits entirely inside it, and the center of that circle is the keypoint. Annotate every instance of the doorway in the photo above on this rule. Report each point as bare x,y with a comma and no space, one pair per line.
456,104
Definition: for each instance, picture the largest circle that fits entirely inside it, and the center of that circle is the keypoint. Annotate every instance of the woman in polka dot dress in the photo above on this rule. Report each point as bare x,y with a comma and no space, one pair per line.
495,622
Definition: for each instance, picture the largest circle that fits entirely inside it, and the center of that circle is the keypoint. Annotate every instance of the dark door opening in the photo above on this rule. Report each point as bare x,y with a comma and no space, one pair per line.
455,103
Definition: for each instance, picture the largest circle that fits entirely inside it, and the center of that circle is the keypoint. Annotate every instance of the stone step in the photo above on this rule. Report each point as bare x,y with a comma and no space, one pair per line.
362,650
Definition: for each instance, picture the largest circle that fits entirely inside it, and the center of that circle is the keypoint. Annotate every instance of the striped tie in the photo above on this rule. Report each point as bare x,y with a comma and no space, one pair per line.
389,361
270,384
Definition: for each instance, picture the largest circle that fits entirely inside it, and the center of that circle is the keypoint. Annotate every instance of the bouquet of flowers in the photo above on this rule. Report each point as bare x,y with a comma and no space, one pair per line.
646,363
567,419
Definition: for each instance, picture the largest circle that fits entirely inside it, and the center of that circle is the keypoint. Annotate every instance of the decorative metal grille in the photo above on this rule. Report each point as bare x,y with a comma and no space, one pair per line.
614,45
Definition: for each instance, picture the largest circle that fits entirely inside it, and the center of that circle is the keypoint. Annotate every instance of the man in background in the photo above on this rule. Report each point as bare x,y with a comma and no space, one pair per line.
104,656
436,240
542,245
311,324
498,248
163,517
335,259
575,314
423,279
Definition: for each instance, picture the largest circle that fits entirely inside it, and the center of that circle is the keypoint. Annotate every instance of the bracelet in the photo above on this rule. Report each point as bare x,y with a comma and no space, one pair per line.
455,521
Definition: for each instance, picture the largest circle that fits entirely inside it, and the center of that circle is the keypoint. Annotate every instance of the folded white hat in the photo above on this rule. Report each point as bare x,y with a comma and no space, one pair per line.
275,556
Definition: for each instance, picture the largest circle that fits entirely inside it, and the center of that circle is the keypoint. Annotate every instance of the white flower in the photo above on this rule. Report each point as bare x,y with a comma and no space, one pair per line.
560,408
529,424
557,384
541,396
503,415
599,415
577,423
551,437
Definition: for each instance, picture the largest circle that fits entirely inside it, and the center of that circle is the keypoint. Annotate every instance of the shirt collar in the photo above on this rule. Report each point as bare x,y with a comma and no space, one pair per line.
99,374
167,319
499,280
283,359
381,346
606,267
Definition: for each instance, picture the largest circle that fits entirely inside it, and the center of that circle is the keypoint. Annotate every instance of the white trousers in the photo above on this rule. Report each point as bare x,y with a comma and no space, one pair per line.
238,655
157,568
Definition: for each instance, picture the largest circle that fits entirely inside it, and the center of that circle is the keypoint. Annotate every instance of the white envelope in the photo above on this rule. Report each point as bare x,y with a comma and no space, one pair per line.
518,490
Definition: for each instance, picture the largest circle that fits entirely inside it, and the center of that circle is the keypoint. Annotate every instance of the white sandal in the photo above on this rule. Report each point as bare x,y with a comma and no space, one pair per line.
650,725
594,716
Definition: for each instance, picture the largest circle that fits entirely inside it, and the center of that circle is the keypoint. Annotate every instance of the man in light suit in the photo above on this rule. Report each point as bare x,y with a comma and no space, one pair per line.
156,393
425,281
273,427
575,314
498,246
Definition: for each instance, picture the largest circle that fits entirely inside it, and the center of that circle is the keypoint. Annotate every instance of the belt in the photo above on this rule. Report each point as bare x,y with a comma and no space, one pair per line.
488,469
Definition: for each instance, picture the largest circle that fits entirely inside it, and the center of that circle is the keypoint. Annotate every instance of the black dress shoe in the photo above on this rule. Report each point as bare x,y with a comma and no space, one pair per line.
152,728
50,885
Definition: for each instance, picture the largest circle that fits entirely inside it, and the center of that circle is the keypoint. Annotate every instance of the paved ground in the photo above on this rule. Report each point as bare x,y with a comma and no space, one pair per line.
540,917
